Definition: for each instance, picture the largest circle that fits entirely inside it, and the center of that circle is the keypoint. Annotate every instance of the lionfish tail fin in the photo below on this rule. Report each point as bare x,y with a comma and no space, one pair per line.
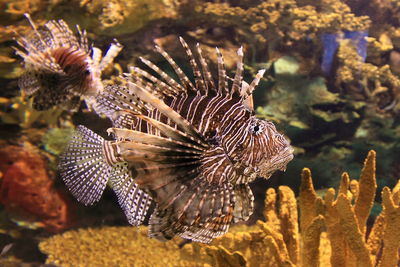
134,202
86,165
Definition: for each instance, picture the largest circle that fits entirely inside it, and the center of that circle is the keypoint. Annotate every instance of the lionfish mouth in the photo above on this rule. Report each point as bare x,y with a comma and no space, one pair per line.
286,155
278,162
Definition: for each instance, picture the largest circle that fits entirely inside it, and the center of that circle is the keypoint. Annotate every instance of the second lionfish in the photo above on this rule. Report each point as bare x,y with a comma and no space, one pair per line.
191,149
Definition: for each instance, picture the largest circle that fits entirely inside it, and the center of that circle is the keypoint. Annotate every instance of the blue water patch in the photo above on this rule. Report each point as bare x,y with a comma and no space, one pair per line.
330,42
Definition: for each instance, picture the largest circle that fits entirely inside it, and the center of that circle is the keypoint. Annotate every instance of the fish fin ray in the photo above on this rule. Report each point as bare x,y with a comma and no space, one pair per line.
244,203
85,152
134,201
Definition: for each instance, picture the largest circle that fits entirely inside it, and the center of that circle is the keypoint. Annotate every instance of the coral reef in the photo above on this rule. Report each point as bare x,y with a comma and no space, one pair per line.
343,244
273,21
330,231
118,17
376,84
109,246
27,192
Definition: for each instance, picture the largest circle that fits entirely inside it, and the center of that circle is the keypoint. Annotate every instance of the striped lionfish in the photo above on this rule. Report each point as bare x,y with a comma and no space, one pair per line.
58,65
190,149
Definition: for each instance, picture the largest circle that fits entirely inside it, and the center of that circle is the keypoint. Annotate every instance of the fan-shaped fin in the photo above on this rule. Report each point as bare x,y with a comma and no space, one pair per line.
140,137
134,202
165,129
84,166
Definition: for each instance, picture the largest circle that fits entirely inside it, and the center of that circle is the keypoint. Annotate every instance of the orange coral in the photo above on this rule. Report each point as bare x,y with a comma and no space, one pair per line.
27,190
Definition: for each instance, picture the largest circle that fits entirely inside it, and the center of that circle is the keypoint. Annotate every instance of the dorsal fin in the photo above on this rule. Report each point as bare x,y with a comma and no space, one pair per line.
182,76
165,76
247,90
167,111
222,78
112,52
159,85
209,82
236,86
196,71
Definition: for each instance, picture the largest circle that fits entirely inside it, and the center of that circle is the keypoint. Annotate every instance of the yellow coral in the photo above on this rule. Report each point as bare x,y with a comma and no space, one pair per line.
275,19
352,70
275,242
128,16
109,246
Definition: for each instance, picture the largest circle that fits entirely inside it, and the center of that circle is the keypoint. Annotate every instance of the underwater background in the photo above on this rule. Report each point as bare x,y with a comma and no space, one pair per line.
332,86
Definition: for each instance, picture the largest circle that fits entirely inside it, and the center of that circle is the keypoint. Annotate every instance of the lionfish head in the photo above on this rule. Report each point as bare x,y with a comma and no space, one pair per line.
263,150
271,149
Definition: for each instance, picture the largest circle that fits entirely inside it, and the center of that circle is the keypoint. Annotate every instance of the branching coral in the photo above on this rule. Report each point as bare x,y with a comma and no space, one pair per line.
277,242
128,16
344,219
379,84
285,19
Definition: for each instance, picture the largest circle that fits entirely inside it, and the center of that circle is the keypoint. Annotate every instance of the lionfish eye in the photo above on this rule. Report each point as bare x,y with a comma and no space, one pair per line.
257,129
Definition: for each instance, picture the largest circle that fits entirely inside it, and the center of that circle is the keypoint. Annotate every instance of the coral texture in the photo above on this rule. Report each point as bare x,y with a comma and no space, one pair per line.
329,232
27,191
109,246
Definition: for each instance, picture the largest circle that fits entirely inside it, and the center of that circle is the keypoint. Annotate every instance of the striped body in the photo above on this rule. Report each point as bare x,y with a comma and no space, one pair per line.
223,121
191,149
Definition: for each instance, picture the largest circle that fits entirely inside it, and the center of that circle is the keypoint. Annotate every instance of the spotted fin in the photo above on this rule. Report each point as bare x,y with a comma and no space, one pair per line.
134,202
86,166
83,166
115,98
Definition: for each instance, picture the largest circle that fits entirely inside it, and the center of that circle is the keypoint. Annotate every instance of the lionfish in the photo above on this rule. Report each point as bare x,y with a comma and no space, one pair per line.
58,65
188,149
